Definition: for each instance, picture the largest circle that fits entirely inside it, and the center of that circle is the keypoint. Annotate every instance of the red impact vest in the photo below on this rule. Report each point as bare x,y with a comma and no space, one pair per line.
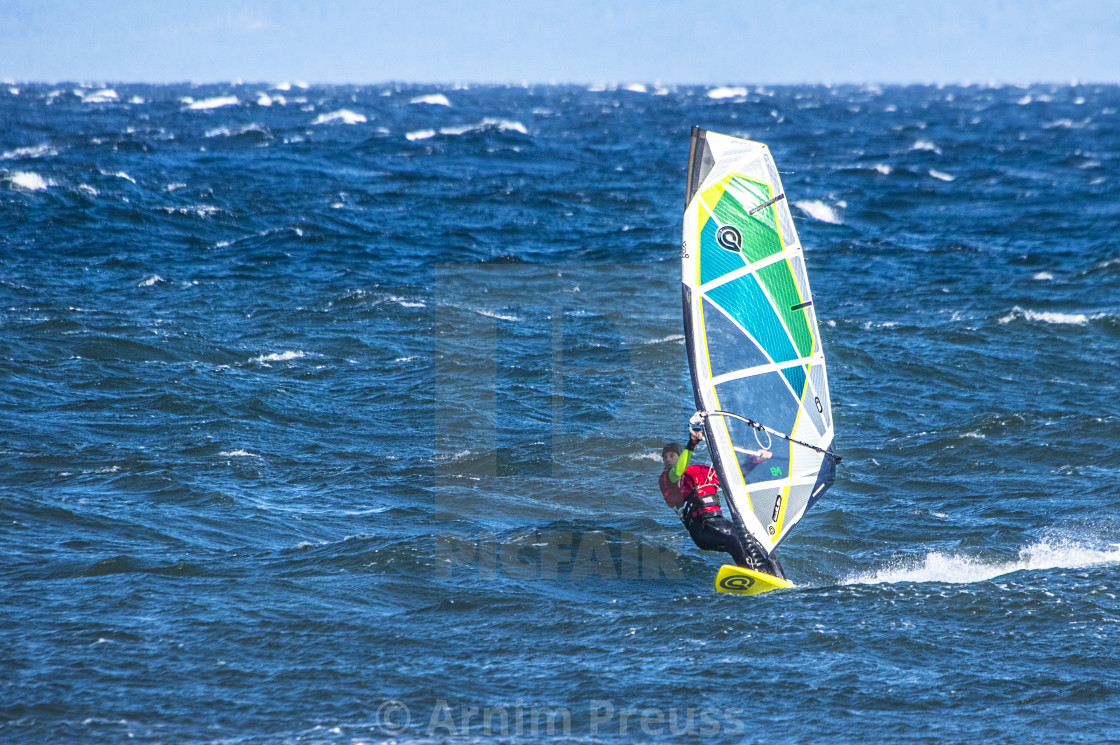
694,496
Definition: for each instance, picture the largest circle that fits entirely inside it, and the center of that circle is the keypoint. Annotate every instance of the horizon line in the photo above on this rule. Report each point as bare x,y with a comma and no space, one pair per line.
602,85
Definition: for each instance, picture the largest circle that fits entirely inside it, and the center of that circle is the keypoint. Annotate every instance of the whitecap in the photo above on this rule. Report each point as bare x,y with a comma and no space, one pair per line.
278,357
29,181
1066,124
420,134
727,92
942,175
150,281
435,99
238,454
342,116
635,88
926,145
882,168
1043,276
495,314
119,174
818,210
666,339
34,151
502,125
105,95
247,129
200,210
960,569
403,302
211,103
1071,319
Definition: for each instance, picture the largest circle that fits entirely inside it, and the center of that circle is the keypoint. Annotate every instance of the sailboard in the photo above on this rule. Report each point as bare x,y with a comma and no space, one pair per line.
754,350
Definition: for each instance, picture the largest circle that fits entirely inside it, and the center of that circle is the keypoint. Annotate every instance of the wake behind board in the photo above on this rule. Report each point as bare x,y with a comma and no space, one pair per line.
742,581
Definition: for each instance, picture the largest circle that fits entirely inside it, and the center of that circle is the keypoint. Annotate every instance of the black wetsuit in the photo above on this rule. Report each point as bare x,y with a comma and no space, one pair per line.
699,510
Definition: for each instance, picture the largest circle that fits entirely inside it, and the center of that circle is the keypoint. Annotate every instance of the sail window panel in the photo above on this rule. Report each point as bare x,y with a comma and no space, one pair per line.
729,350
785,219
762,504
795,503
820,388
812,414
797,267
765,399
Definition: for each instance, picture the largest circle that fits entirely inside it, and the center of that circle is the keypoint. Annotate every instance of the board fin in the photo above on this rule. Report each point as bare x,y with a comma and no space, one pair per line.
739,580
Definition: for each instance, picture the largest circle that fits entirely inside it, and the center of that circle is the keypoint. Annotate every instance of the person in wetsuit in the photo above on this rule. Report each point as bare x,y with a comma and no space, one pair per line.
690,490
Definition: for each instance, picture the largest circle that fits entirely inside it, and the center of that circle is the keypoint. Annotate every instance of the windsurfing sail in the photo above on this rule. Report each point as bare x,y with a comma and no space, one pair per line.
754,351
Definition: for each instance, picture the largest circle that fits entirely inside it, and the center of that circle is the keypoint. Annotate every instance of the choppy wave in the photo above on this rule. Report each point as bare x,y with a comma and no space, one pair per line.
29,181
33,151
727,92
818,210
434,99
926,146
105,95
208,104
963,568
489,123
1069,319
279,357
342,116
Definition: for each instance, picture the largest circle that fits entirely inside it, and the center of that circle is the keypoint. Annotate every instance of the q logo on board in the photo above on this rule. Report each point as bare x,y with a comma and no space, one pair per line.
728,237
736,582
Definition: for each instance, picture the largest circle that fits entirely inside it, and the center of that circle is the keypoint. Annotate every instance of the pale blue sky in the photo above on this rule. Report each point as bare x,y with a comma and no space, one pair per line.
566,41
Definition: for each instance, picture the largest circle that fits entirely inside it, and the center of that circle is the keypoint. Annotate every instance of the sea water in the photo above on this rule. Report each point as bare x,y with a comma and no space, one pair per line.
332,414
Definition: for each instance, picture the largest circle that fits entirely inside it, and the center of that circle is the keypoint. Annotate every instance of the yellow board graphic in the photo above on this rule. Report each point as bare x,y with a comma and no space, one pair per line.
742,581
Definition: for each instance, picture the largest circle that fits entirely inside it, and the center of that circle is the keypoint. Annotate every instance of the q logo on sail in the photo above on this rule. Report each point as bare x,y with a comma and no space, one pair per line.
728,237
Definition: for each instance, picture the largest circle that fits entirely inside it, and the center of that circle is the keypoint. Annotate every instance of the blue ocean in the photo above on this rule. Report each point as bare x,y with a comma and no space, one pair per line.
333,415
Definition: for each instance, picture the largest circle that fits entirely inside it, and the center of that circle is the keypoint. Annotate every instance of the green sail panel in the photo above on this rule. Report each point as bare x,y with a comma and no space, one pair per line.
759,232
781,286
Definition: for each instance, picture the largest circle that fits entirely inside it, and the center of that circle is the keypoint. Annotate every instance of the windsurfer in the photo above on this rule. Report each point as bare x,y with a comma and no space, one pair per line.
690,489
